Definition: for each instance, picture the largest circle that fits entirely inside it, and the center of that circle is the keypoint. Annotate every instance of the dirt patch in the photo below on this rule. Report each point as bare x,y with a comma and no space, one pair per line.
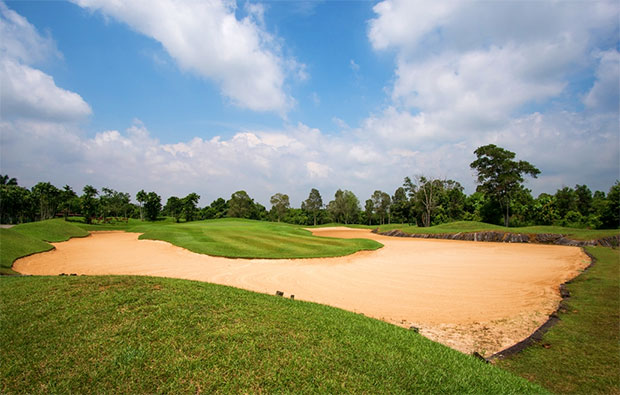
470,296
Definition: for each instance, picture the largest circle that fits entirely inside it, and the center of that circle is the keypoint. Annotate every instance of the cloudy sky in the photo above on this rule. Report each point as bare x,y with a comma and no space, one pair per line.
214,96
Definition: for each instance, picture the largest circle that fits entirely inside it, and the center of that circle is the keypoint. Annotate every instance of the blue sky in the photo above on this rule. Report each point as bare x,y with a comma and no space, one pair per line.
283,96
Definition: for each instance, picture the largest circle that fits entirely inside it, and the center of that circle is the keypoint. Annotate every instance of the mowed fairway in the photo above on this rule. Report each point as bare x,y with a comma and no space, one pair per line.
471,296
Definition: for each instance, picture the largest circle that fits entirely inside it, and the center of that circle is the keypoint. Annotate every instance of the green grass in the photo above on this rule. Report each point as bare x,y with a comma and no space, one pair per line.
30,238
15,245
254,239
583,354
145,335
472,226
53,230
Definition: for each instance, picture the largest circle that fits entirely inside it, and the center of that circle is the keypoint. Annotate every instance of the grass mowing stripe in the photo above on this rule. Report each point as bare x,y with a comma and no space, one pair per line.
581,353
145,335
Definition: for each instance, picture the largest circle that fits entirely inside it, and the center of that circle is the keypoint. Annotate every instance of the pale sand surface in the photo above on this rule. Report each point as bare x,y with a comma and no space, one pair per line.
470,296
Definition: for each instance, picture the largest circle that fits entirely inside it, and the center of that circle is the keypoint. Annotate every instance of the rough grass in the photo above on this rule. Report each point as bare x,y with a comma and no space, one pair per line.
581,354
146,335
472,226
53,230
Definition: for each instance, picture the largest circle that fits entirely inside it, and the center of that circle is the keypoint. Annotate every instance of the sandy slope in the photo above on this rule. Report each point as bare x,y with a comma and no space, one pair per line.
470,296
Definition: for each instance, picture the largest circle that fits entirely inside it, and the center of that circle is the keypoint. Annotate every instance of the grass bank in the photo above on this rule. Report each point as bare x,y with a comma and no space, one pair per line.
145,335
472,226
581,353
30,238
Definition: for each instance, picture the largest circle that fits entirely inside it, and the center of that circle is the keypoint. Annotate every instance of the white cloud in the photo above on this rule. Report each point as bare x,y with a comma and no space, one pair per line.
26,92
206,38
29,93
605,94
21,41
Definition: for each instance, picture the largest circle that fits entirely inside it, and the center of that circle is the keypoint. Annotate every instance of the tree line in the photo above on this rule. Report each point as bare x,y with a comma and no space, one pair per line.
500,198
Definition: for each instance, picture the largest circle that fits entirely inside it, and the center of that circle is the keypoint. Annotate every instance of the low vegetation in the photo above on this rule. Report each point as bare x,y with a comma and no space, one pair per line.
581,353
146,335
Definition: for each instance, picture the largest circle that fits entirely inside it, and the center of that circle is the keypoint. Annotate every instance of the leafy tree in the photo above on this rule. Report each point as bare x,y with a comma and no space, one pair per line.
369,209
240,205
610,215
453,199
583,199
48,198
174,207
381,202
565,201
152,206
113,203
141,198
280,205
5,180
189,204
217,209
345,207
15,204
89,203
400,206
313,204
427,197
69,201
499,175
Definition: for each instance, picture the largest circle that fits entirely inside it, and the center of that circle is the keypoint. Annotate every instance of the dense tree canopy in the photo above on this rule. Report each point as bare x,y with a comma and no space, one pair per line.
500,176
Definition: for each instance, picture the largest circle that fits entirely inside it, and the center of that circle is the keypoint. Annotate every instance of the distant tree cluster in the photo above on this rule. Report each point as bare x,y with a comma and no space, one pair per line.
500,198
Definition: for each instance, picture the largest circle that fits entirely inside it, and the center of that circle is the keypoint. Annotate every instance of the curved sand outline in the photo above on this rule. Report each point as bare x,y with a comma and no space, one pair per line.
470,296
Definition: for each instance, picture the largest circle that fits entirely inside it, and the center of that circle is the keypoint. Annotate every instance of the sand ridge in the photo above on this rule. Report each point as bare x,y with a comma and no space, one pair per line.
470,296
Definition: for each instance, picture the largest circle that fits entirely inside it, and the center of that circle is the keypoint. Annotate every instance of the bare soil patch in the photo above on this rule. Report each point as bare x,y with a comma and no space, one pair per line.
469,296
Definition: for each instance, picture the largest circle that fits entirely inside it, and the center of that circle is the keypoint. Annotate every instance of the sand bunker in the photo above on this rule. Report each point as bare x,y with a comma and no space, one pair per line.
470,296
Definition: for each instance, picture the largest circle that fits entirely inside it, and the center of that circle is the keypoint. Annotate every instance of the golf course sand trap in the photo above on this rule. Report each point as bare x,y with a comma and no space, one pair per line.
469,296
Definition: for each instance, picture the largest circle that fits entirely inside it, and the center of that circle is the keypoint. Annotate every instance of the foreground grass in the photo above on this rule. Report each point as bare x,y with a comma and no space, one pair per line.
30,238
472,226
145,335
581,354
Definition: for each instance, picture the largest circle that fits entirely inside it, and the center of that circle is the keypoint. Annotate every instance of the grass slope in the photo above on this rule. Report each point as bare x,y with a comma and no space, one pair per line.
472,226
15,245
146,335
583,353
53,230
30,238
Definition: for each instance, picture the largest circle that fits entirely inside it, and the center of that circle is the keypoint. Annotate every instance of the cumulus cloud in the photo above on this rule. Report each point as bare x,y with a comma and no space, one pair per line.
207,38
467,73
26,92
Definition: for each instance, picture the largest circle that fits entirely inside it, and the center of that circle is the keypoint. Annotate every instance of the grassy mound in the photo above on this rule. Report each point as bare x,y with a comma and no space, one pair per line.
53,230
581,354
30,238
472,226
147,335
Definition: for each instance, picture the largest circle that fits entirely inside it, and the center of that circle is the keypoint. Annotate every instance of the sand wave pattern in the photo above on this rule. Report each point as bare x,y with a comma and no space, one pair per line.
469,296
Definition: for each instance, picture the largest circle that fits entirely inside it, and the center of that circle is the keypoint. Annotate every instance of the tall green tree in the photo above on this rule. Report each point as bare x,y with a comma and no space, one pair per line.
427,197
240,205
313,204
500,175
279,205
583,199
189,206
369,209
89,203
174,207
69,201
152,206
345,207
5,180
141,198
48,198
